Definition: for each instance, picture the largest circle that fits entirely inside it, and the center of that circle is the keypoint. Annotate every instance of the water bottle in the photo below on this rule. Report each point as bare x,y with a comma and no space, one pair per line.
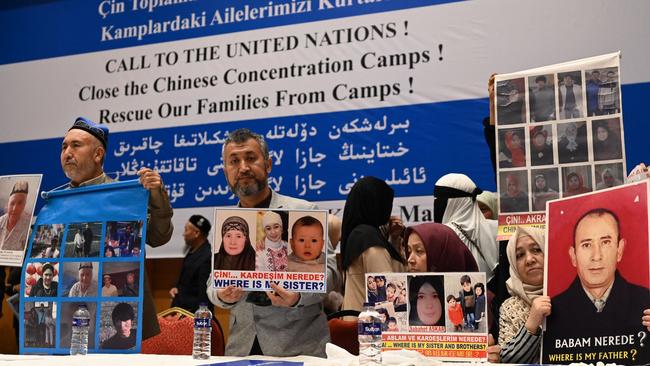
80,327
369,330
202,333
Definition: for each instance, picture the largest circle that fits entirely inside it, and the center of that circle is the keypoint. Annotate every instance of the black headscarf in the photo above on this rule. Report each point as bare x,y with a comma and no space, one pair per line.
242,261
367,207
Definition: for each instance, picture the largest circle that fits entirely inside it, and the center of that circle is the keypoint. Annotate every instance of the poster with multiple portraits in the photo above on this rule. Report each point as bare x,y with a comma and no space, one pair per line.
86,248
18,194
597,274
256,247
441,315
559,133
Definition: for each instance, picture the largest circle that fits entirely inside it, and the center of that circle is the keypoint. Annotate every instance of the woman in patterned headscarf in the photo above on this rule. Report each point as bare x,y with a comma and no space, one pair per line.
236,251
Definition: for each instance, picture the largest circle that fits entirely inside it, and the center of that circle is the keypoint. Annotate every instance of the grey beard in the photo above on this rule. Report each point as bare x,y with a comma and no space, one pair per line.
250,190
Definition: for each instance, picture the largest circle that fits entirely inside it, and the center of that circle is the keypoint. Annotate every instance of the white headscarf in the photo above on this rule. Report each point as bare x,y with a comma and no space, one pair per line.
270,218
515,286
463,215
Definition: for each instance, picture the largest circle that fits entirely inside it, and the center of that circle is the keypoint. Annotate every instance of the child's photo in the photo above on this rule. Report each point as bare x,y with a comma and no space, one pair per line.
307,245
272,250
82,240
455,312
466,303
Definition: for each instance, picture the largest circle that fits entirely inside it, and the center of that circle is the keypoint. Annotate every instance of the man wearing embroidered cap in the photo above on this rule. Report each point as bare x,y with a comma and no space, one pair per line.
14,224
189,291
86,286
82,158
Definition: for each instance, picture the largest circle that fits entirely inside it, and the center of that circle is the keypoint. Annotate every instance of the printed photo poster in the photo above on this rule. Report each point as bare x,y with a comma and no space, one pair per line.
598,277
441,315
69,266
559,133
255,247
18,194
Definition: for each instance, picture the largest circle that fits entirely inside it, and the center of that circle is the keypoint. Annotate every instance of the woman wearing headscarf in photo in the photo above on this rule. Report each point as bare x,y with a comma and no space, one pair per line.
572,146
363,247
607,144
514,199
574,185
522,314
608,179
455,206
515,145
542,193
541,153
426,294
236,251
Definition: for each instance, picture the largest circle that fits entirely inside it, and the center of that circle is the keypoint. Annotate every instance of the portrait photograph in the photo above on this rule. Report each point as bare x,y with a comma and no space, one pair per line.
47,241
82,240
79,279
545,187
118,325
513,191
570,95
597,271
272,245
120,279
465,303
510,101
607,139
576,180
572,142
40,324
123,239
235,236
67,311
603,91
18,194
541,97
609,175
426,303
41,279
512,147
307,241
541,145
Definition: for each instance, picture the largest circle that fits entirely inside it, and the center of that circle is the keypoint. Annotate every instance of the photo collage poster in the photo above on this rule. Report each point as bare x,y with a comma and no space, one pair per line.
18,194
440,315
597,274
87,247
256,247
559,133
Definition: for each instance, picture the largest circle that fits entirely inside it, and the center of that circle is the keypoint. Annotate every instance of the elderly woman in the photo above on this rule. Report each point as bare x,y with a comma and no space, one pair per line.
236,251
523,313
363,247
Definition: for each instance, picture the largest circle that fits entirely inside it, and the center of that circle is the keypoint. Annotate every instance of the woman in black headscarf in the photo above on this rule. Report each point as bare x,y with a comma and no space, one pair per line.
363,247
236,251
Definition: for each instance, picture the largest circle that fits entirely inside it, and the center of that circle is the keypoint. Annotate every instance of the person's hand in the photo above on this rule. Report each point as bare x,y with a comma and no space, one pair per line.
640,172
539,309
281,297
230,294
491,98
259,245
395,227
150,179
645,319
493,350
173,292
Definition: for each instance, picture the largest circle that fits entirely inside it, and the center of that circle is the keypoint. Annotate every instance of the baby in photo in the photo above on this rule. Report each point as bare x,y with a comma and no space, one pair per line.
273,257
307,246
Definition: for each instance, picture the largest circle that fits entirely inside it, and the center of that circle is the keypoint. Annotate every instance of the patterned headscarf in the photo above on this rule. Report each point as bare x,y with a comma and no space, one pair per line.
515,286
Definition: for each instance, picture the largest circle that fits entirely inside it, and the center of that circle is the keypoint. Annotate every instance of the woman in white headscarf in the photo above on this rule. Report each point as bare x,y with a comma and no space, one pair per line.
522,314
455,205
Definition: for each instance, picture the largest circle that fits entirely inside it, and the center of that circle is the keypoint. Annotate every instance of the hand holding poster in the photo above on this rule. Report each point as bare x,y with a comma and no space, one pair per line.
441,315
254,248
598,277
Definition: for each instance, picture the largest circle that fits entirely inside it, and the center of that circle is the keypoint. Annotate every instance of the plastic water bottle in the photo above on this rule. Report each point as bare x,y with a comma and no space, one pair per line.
369,328
80,327
202,333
